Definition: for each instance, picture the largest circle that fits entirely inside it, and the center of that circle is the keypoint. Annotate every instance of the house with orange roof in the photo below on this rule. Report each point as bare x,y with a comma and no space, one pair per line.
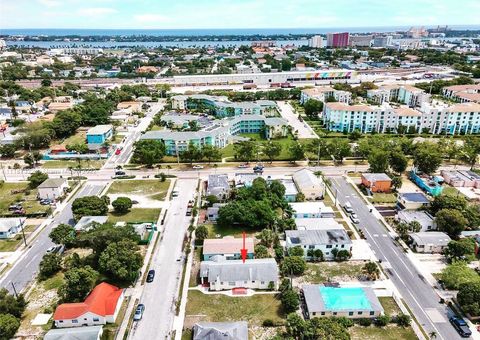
463,93
101,306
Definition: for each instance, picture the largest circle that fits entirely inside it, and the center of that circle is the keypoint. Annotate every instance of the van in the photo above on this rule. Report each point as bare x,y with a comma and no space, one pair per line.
348,207
174,193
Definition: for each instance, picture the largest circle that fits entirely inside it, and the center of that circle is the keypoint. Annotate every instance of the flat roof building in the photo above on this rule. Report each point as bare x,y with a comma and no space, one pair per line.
430,241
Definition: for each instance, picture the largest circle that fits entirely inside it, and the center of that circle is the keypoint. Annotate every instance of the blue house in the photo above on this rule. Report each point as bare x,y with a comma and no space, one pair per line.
98,135
428,184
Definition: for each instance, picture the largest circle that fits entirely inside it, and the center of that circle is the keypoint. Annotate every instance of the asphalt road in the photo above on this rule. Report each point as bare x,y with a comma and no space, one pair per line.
304,130
415,290
26,268
159,296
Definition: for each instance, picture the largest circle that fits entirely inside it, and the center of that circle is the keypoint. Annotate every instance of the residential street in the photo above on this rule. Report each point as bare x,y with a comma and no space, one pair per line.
304,130
26,267
159,297
415,290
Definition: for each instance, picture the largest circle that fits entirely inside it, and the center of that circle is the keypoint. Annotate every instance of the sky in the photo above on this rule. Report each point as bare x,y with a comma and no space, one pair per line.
177,14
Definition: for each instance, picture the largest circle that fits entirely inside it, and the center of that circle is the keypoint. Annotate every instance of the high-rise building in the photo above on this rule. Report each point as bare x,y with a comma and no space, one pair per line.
316,41
382,41
360,40
337,39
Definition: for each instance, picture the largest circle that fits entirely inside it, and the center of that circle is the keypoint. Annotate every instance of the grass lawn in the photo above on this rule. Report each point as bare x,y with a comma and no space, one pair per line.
64,164
187,334
448,190
149,187
218,307
383,198
12,243
334,271
377,333
214,230
78,137
135,215
8,197
389,305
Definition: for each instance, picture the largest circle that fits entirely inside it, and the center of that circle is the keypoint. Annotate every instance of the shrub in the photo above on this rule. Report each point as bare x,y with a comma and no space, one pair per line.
365,322
402,320
268,323
382,320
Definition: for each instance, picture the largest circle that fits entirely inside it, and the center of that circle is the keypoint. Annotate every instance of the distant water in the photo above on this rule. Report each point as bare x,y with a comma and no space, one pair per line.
210,32
179,34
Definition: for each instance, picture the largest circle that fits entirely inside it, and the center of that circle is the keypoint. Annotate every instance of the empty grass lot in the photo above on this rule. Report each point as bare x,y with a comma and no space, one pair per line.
334,271
30,203
135,215
391,332
215,230
149,187
379,198
254,309
65,164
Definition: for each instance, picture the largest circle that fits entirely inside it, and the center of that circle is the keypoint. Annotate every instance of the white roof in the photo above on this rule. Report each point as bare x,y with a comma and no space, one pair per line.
306,179
10,222
317,224
436,238
308,207
99,129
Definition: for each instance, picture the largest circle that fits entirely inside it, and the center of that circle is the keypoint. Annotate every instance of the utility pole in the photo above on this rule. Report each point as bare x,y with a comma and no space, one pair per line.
336,194
14,290
23,232
3,171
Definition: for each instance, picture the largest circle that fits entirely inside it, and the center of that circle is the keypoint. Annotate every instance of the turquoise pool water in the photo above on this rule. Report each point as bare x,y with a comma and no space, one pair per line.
345,298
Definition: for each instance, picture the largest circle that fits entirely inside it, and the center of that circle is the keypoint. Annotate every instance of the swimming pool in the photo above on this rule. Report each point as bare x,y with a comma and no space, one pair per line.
345,298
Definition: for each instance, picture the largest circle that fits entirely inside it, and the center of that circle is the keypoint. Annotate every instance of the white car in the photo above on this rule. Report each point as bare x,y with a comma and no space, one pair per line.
197,167
354,219
243,166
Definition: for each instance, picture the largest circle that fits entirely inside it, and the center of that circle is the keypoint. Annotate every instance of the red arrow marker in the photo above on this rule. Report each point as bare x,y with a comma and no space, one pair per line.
243,251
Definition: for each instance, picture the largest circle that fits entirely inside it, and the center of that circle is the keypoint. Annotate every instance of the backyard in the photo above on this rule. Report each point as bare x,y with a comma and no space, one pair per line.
153,188
317,273
135,215
218,307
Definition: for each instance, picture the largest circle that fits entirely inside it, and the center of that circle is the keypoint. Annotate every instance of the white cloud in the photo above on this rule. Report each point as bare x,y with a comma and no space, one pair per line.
50,3
151,18
96,11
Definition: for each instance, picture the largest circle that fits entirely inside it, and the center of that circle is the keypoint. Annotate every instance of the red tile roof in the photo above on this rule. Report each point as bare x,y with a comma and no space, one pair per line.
102,301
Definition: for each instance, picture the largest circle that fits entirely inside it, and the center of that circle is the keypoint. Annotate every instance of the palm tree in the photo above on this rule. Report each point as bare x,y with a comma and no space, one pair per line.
432,335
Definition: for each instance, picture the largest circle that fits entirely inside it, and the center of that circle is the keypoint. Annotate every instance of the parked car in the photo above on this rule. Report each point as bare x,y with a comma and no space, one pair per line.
120,173
461,326
19,212
258,169
190,204
243,166
150,275
197,167
56,249
45,201
348,207
354,219
117,152
189,212
139,312
174,193
15,207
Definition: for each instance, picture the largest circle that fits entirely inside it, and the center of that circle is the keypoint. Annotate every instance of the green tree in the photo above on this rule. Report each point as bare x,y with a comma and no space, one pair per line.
245,150
463,249
382,320
191,154
342,255
122,205
8,150
296,251
458,273
261,251
339,149
290,300
50,265
46,82
148,152
451,221
293,265
101,235
78,283
211,153
121,261
296,151
397,182
10,304
267,236
398,162
36,178
402,320
313,107
89,206
448,202
63,234
272,150
378,161
355,135
371,270
201,233
9,325
427,157
300,197
469,298
295,326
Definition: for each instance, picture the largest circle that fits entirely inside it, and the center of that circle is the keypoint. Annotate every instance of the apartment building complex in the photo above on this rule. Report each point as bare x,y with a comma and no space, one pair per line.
316,41
220,134
435,118
221,107
404,94
463,93
324,93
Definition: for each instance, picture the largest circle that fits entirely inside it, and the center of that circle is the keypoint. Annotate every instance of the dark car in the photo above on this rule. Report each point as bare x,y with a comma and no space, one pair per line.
189,212
461,326
150,275
15,207
139,312
119,173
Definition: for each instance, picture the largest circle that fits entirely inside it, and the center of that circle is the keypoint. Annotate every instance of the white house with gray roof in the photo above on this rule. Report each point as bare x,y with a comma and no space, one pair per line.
10,226
325,240
222,274
52,188
309,184
237,330
218,186
429,241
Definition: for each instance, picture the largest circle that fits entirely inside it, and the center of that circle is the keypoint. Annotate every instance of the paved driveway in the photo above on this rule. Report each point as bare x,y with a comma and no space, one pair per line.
304,130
